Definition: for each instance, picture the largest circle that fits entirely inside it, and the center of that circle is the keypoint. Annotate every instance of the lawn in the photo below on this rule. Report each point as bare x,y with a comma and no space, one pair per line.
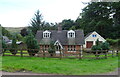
57,66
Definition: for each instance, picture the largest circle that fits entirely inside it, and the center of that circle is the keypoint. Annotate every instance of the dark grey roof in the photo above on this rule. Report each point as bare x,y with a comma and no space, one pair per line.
88,34
62,37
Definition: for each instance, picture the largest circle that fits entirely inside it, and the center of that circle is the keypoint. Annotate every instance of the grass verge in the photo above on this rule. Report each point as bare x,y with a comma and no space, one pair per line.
57,66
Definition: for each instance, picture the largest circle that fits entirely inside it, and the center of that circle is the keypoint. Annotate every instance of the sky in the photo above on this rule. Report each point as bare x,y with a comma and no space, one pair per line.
18,13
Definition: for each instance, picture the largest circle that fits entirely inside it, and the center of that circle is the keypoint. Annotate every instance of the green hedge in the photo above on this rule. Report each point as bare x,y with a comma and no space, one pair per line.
113,41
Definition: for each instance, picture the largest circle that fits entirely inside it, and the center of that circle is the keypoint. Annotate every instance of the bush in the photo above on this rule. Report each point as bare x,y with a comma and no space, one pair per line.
95,47
13,45
51,49
112,41
31,44
4,45
105,46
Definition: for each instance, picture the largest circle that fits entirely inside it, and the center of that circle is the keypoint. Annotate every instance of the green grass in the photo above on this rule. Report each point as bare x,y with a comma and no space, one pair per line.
18,53
57,66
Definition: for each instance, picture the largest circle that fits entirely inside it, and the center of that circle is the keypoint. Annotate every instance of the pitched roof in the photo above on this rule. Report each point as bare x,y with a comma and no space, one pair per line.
62,37
88,34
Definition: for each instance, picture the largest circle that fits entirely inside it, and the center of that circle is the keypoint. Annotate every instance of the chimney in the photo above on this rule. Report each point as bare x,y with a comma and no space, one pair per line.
59,27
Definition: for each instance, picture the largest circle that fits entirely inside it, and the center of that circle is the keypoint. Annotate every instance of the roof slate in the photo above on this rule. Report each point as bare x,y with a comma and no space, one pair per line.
62,37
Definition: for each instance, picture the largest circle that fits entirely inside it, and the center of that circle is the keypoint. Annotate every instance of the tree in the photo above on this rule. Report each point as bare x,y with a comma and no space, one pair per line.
67,24
51,49
4,45
103,17
19,37
24,32
31,44
13,49
5,32
105,46
37,23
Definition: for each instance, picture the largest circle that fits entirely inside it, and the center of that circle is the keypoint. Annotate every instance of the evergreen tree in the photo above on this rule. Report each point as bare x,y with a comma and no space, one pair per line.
31,44
36,23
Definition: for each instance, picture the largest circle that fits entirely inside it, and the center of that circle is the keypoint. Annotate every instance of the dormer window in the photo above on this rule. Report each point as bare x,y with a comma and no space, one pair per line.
46,34
71,34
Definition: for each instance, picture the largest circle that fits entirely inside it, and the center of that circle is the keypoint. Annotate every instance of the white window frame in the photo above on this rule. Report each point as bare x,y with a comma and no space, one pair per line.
71,34
46,34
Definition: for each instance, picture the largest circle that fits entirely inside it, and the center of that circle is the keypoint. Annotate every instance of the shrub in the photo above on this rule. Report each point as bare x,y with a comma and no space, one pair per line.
51,49
105,46
112,41
13,45
31,44
4,45
96,47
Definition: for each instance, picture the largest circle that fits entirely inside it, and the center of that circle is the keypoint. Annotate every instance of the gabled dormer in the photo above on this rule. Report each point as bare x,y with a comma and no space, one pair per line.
71,34
46,34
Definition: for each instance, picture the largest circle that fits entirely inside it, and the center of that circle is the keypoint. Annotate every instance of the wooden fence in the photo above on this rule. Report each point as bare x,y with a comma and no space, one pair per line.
80,54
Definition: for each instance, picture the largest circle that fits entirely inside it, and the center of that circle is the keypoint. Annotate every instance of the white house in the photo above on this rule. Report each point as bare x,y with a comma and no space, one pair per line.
91,38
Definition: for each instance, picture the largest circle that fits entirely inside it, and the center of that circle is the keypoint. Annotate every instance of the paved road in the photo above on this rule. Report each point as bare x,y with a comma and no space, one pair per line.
22,73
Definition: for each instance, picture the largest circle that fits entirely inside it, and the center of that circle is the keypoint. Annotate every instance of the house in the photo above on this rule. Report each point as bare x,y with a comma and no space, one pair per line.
90,39
5,38
69,40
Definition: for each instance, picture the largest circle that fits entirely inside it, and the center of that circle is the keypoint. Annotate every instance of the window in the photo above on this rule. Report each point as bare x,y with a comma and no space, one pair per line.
71,34
46,34
94,35
71,48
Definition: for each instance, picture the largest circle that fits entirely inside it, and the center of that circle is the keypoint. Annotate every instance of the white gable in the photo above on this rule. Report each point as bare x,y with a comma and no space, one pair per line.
58,43
94,36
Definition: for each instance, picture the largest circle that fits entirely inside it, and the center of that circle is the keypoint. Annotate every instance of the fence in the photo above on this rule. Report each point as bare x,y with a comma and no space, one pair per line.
80,54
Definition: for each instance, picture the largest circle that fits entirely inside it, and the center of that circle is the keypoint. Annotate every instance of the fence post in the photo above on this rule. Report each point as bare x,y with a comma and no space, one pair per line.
96,54
43,54
80,54
21,53
106,54
60,54
117,53
3,52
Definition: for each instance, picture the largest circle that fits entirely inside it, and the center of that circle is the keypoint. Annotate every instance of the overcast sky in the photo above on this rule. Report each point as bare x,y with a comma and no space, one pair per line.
18,13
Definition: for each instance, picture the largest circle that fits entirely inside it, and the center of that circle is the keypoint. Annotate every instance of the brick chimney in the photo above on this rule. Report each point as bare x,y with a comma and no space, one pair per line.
59,27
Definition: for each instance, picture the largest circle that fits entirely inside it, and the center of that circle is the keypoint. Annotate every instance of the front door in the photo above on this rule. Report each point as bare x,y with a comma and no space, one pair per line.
89,44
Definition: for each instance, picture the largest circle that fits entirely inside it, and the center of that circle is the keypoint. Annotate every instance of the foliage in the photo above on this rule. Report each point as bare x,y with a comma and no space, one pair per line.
36,23
6,32
103,17
112,42
4,45
51,49
14,45
95,47
24,32
105,46
67,24
19,37
31,44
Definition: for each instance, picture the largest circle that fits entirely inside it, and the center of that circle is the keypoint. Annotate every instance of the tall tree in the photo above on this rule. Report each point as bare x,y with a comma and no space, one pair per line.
96,16
67,24
37,22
